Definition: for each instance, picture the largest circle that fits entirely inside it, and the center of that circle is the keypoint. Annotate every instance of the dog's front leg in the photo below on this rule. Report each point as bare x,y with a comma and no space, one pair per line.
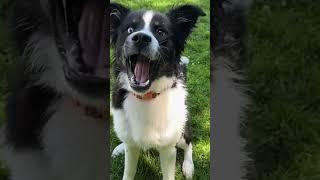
131,160
168,162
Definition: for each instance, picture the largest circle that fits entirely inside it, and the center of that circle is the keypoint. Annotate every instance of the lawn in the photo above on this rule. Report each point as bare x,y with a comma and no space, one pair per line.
197,50
284,74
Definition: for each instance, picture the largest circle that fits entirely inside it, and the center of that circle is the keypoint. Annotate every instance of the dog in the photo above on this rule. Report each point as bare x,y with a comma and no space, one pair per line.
55,123
149,96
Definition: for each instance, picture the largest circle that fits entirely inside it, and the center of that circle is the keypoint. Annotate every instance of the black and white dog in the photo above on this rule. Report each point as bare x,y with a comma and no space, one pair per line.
55,128
149,97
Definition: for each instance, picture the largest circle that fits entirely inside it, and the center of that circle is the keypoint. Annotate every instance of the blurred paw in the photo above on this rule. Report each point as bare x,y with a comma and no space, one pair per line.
118,150
188,169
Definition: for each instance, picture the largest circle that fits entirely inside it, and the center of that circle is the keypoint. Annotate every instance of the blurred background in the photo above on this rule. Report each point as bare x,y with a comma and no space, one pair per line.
7,57
283,128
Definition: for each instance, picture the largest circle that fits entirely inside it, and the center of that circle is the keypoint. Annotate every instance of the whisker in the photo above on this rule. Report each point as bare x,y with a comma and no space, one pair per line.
163,41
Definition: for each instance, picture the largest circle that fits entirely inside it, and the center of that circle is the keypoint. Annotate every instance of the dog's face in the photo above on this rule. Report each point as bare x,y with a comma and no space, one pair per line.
148,44
80,33
63,44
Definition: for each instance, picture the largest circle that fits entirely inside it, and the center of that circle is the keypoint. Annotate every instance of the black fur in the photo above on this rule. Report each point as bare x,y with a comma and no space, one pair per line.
117,14
26,17
184,19
187,133
27,112
118,96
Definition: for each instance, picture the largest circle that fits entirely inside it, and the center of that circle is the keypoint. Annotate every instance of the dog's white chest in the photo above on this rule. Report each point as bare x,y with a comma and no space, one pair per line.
152,123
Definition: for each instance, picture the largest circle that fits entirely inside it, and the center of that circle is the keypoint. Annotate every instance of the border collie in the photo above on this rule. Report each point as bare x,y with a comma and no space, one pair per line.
149,98
55,127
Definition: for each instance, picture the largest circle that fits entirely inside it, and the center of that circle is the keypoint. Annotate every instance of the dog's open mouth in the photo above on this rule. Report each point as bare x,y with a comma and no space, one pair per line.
139,70
93,37
85,22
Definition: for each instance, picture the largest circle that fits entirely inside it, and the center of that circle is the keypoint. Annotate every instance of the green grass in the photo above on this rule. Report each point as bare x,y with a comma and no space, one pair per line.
198,51
284,72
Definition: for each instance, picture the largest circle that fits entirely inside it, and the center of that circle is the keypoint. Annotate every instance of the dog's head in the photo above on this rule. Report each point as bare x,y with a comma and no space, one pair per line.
63,43
80,30
148,44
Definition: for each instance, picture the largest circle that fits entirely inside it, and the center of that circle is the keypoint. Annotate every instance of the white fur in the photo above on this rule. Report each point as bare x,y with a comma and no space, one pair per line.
74,149
131,160
147,18
153,123
157,123
187,166
168,162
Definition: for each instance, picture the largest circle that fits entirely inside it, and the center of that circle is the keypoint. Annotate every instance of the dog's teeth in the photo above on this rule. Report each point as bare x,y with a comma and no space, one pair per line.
145,83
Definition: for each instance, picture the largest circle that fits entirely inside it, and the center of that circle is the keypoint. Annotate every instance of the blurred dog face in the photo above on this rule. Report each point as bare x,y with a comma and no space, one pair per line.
148,44
63,44
79,28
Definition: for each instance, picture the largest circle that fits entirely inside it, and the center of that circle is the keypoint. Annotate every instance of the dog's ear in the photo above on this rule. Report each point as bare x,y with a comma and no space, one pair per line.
183,19
117,13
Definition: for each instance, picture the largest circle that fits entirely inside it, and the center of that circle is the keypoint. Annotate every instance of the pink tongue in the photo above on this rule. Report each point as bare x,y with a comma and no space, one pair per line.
141,71
91,33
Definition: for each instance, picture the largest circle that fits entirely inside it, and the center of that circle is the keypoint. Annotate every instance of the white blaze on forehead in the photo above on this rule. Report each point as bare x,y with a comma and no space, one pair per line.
147,17
154,45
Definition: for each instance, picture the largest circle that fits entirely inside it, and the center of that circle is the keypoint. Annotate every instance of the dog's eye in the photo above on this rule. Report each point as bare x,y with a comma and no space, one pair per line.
161,32
130,30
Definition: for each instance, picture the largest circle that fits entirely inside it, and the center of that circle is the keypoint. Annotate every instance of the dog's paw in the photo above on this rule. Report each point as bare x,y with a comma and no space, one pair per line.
188,169
118,150
184,60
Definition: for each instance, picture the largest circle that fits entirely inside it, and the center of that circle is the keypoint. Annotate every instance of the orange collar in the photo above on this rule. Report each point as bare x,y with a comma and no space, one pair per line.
148,96
91,111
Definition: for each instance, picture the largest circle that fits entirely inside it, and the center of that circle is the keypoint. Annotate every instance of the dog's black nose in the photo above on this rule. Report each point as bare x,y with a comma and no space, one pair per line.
141,40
